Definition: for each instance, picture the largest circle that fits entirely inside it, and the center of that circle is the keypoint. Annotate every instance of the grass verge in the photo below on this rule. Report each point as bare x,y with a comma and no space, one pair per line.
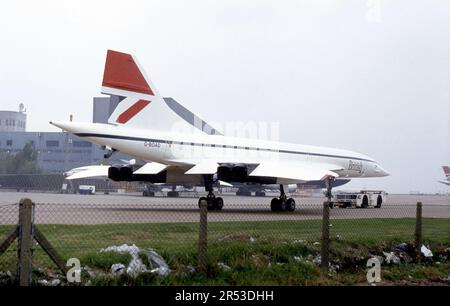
248,253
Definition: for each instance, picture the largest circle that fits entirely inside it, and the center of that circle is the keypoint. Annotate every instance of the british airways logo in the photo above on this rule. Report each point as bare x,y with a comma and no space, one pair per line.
355,166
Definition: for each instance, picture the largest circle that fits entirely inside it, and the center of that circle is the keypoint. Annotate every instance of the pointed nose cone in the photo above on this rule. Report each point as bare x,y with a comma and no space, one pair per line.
378,171
383,172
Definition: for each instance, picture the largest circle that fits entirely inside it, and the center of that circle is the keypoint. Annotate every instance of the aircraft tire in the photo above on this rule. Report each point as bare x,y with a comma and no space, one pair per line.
211,204
275,204
218,203
290,204
283,205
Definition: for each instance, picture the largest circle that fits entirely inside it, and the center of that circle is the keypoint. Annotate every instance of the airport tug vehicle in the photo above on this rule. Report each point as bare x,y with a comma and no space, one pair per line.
359,199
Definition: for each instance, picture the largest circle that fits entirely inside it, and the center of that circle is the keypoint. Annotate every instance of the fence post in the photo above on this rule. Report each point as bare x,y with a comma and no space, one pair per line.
418,233
25,241
202,237
325,252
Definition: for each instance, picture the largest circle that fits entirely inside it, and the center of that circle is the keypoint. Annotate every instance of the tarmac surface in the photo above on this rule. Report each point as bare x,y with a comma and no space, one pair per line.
134,208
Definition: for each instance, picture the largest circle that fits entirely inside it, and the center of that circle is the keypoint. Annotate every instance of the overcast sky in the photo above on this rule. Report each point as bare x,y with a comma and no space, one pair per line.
369,76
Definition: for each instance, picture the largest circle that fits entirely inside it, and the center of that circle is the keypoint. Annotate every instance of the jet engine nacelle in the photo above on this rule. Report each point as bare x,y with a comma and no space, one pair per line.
120,173
239,174
125,173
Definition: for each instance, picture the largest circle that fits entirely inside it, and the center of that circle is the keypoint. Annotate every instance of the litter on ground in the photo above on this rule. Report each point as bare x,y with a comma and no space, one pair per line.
157,264
426,251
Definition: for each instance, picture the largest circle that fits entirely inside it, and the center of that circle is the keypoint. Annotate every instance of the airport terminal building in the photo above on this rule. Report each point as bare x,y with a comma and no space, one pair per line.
57,151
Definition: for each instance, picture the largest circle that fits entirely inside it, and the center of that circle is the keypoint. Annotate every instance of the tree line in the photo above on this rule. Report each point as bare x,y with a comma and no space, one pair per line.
22,162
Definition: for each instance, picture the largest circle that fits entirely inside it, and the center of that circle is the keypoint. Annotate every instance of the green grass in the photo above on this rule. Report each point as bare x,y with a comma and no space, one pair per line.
104,260
258,252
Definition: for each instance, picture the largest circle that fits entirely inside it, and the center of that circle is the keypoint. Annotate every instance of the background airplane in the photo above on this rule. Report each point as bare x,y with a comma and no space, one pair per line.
447,175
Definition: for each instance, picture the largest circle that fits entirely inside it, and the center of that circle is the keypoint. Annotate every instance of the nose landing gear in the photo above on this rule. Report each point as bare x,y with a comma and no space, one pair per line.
282,203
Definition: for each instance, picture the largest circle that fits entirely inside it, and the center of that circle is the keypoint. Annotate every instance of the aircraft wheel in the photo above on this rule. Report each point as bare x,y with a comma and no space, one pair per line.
283,205
211,203
290,204
275,204
218,203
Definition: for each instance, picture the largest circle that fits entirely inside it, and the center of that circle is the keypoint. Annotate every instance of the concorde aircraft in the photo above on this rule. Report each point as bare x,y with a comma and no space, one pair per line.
182,149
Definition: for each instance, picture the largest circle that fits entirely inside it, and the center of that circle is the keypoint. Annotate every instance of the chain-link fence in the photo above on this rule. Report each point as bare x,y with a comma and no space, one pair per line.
57,182
399,233
117,236
8,222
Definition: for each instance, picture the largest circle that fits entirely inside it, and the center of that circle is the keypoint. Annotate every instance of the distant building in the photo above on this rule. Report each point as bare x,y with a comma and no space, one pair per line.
57,151
11,121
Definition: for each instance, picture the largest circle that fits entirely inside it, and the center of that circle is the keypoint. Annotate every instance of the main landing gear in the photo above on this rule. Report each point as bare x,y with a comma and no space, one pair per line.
213,202
282,203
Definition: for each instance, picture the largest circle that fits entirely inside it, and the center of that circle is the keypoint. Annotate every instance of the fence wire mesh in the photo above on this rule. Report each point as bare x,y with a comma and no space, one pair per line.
8,222
245,235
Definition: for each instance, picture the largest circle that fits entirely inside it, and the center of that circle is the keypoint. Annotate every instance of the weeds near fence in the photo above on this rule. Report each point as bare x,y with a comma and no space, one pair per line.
235,252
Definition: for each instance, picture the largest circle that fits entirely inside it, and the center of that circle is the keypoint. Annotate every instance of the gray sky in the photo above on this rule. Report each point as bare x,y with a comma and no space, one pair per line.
369,76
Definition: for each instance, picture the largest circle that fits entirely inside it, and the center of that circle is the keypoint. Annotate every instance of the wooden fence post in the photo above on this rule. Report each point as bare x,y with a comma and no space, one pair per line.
418,232
25,241
203,238
325,251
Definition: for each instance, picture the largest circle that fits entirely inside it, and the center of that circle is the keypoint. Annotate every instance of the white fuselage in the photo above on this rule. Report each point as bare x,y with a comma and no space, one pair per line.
185,150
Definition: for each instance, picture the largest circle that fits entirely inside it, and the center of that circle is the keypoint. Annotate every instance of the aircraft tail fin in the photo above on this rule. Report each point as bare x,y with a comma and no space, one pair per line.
122,72
141,105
